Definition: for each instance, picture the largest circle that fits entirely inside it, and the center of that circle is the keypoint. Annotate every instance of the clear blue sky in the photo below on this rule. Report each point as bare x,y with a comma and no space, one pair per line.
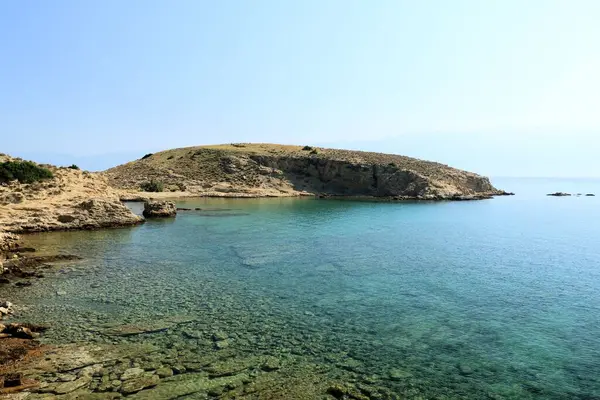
500,87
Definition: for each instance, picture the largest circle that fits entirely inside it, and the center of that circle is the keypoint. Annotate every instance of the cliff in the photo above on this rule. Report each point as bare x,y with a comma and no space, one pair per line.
71,199
277,170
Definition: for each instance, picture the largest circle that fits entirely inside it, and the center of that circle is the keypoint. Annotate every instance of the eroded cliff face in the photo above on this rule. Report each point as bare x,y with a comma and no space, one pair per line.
269,170
72,199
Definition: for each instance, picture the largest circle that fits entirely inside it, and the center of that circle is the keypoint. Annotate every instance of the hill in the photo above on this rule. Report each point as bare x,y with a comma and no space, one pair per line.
248,170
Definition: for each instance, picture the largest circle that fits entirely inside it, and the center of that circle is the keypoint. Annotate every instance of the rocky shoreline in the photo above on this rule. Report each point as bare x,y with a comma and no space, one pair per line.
204,361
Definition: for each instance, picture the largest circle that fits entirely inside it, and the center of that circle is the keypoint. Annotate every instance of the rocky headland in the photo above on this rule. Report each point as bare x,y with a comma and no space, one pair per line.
262,170
71,199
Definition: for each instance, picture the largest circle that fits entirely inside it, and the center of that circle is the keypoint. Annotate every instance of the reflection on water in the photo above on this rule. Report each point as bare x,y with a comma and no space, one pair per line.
494,299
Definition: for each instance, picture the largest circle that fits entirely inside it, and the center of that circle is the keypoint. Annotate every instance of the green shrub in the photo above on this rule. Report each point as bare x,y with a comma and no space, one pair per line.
307,148
152,186
23,171
73,167
314,151
392,164
147,155
170,157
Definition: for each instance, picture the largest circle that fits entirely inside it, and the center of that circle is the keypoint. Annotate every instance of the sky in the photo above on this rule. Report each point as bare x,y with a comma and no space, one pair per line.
499,87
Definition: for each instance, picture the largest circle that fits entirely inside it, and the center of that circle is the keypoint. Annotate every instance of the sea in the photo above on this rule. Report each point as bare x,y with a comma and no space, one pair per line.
491,299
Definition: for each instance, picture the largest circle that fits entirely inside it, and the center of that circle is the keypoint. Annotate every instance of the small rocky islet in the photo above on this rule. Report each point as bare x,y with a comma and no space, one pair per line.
179,356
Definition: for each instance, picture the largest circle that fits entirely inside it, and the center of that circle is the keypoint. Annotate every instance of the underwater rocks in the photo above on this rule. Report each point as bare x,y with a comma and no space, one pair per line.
21,269
159,209
21,331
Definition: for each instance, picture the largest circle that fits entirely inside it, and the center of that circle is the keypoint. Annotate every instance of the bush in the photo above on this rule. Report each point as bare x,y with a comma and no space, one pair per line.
73,167
23,171
152,186
307,148
170,157
147,155
392,164
314,151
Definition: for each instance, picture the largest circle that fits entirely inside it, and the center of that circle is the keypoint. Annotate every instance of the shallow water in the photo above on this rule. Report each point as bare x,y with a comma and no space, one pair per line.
490,299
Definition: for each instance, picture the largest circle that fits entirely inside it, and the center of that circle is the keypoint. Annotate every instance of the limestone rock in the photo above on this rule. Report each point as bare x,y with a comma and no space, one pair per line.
137,384
8,242
132,373
68,387
158,209
73,199
164,372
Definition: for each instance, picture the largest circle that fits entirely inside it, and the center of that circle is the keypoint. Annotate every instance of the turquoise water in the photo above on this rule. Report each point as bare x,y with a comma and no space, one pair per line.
494,299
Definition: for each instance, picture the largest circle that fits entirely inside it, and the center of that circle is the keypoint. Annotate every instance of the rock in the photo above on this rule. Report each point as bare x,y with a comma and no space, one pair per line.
137,384
590,195
397,374
68,387
164,372
66,377
2,328
132,373
465,369
23,283
559,194
6,304
270,364
189,384
219,335
159,209
21,332
91,370
8,242
71,200
11,380
179,369
61,293
345,392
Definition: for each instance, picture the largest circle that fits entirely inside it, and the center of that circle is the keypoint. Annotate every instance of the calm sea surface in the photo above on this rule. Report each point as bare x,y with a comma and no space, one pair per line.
494,299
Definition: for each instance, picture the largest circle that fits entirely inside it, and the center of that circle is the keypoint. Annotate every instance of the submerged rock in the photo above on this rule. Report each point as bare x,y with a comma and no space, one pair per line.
132,373
559,194
138,384
590,195
159,209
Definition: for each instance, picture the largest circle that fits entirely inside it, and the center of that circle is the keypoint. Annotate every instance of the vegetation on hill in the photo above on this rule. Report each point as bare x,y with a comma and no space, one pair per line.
152,186
23,171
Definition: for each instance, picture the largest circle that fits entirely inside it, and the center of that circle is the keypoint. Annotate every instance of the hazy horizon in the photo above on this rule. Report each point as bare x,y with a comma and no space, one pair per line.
502,89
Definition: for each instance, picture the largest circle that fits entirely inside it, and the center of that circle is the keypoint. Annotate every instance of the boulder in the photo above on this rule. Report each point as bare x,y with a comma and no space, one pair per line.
137,384
159,209
559,194
590,195
8,242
